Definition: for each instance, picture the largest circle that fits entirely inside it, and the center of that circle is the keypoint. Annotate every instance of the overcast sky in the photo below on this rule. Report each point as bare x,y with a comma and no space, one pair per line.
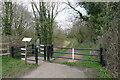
63,18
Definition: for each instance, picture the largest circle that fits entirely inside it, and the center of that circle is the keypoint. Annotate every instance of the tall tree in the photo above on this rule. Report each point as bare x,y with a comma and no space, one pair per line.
21,20
7,18
45,13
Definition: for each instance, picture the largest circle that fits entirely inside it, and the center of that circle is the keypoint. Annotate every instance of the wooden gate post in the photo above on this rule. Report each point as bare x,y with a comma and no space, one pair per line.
48,52
51,51
33,47
45,52
12,52
101,56
36,55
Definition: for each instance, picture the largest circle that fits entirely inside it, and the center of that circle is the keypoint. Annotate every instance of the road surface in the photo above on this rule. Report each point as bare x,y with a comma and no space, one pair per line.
55,70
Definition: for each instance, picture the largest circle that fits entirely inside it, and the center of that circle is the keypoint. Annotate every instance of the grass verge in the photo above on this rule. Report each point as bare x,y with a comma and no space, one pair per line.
12,68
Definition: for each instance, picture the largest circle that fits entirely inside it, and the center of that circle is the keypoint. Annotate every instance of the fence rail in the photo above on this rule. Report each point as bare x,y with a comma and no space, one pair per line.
77,53
78,59
4,49
78,48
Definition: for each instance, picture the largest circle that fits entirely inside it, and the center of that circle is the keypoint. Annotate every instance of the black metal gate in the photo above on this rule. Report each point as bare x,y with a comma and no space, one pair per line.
49,51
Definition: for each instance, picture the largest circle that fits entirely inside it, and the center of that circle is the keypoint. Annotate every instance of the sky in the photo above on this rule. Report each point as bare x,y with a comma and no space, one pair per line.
64,17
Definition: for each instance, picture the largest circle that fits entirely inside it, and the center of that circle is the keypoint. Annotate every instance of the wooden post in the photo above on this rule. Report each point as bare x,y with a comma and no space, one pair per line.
101,56
8,51
33,48
12,52
48,52
36,55
25,52
51,51
73,53
45,52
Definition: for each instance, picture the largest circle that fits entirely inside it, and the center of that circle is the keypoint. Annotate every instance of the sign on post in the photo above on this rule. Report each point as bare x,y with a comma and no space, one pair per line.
26,40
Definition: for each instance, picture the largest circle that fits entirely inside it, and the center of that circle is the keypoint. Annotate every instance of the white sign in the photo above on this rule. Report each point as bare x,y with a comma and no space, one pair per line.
27,39
23,48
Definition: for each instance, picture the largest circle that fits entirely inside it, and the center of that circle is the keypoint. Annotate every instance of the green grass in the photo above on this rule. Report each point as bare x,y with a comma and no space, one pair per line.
103,73
61,50
14,67
40,54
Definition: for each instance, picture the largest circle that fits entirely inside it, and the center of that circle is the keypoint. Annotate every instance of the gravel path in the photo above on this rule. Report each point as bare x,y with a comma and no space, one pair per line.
54,70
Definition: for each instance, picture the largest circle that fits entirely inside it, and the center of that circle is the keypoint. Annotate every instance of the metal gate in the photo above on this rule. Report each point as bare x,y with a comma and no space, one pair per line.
49,51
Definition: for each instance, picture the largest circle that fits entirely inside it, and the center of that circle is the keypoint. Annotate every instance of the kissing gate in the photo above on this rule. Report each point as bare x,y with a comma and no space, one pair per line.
47,52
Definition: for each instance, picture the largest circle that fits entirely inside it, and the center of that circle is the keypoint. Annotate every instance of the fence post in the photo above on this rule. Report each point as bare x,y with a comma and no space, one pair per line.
51,51
73,52
101,56
48,52
12,52
33,48
36,55
45,52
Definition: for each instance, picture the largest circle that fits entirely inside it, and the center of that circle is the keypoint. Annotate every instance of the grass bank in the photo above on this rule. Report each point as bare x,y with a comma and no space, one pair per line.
12,68
103,73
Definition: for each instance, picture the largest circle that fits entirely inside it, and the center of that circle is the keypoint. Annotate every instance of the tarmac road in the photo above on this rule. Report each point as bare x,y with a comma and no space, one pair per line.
55,70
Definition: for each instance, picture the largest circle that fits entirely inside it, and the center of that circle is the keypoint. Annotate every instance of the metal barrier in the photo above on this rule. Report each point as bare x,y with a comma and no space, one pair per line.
50,53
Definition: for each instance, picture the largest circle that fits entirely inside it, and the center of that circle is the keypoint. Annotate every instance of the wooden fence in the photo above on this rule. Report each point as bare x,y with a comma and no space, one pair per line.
19,52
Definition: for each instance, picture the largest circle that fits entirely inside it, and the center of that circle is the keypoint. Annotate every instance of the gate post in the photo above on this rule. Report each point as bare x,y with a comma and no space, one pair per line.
33,48
45,52
36,55
51,51
101,56
12,52
48,52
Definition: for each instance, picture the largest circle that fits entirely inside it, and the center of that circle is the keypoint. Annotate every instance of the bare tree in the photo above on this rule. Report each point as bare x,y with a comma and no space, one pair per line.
16,21
45,13
7,18
21,19
81,17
